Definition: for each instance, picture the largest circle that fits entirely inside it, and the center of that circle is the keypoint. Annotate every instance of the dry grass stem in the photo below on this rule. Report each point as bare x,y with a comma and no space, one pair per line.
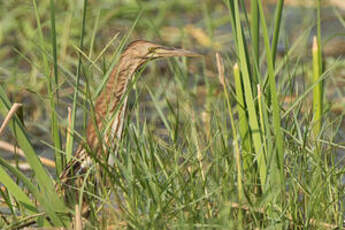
10,114
11,148
78,223
220,67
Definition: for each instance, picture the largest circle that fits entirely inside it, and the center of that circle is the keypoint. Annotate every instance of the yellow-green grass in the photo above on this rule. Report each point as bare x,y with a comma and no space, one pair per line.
196,152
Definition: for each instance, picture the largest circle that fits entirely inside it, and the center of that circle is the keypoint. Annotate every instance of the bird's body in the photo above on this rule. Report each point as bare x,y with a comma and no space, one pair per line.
105,128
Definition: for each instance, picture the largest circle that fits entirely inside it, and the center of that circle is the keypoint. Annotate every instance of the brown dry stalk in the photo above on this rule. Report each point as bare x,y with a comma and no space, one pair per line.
10,114
11,148
78,222
220,67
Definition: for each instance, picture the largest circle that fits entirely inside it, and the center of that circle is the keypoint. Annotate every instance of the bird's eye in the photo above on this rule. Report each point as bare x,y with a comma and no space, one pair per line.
152,49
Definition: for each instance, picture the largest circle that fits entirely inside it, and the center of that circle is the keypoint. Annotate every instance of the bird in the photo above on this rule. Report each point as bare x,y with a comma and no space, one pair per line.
110,112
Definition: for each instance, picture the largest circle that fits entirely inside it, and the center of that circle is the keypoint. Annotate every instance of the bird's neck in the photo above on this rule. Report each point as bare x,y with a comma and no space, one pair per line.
111,104
117,84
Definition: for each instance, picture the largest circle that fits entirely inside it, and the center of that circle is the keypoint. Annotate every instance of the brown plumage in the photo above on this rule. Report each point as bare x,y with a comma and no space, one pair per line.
110,109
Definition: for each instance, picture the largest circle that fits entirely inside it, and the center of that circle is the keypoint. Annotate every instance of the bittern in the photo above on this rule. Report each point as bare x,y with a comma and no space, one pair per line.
111,105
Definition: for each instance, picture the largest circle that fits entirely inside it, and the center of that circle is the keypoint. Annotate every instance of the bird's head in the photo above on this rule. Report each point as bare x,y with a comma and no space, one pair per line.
149,50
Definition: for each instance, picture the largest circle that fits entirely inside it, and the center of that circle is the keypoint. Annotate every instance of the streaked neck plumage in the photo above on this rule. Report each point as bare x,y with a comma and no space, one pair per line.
111,105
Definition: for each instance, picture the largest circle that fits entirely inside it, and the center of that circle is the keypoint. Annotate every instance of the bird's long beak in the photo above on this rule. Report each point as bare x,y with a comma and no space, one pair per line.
172,52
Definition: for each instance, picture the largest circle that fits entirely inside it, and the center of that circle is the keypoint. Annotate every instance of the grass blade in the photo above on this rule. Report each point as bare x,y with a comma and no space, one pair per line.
275,104
243,122
44,180
17,192
220,67
41,196
248,95
69,143
54,96
317,90
277,22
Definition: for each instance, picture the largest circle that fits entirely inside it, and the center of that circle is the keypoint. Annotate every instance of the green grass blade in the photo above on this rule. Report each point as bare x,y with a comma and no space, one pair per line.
255,29
69,143
317,90
275,103
277,22
44,180
319,36
55,131
41,196
243,121
317,72
248,95
54,96
220,67
265,125
17,192
255,36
